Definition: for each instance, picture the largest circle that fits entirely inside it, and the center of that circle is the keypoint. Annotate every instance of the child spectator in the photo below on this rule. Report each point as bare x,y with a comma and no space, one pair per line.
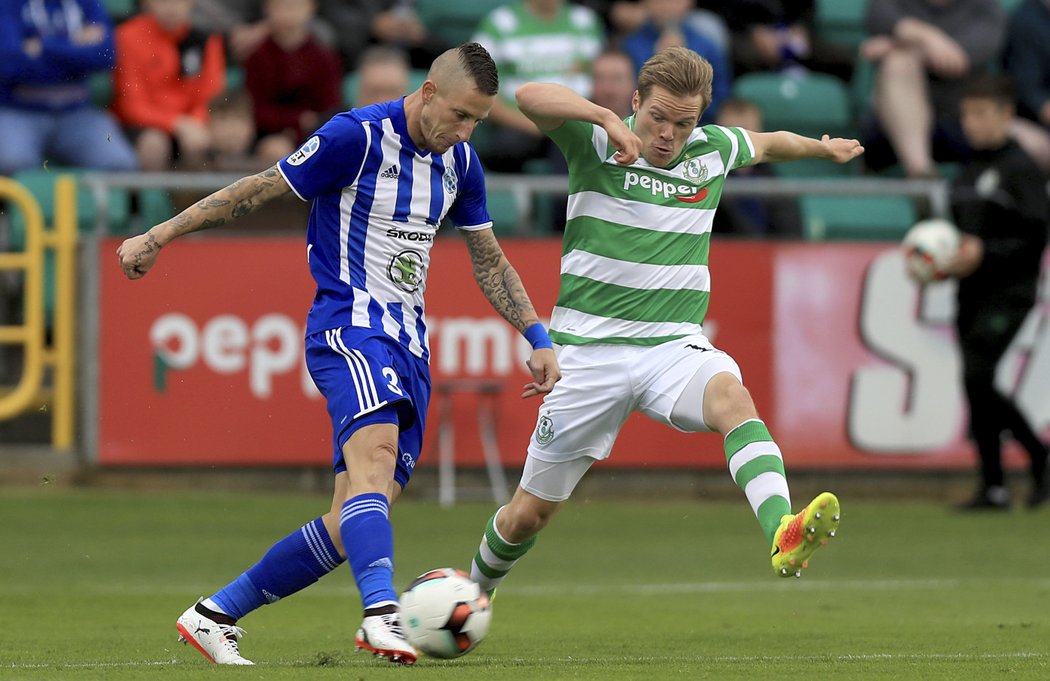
751,216
232,127
293,79
382,76
166,75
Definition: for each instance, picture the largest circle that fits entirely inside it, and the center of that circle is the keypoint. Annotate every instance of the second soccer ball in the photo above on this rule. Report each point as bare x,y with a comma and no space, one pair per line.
929,247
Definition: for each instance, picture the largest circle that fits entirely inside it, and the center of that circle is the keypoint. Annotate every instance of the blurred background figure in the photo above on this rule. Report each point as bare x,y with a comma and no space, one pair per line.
357,24
232,127
167,73
781,35
753,216
548,41
48,48
614,82
925,51
382,76
667,25
1000,204
1027,60
294,80
240,22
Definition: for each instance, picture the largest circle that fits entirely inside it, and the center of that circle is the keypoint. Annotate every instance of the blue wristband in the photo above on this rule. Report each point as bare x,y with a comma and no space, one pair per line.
537,337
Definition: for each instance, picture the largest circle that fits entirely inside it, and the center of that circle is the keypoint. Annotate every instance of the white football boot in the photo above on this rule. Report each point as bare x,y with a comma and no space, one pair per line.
382,635
217,642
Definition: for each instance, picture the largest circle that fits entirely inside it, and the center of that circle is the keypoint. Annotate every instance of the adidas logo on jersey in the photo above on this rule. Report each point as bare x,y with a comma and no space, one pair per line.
390,173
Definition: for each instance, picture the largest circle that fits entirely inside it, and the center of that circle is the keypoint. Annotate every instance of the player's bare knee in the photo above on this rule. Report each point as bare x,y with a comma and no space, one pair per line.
524,517
727,404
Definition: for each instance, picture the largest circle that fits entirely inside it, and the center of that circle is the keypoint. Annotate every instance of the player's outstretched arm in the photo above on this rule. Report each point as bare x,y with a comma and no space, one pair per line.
501,284
138,254
549,105
775,147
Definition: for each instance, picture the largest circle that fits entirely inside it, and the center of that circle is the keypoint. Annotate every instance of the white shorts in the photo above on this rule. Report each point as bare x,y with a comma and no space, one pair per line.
602,384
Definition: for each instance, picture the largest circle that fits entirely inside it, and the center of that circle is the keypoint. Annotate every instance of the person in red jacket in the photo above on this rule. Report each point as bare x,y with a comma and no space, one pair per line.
294,80
166,74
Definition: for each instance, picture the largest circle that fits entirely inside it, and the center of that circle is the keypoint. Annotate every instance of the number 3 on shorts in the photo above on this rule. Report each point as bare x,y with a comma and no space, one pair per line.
391,377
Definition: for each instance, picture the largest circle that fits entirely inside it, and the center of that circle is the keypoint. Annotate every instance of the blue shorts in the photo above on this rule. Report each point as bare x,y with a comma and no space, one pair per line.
367,379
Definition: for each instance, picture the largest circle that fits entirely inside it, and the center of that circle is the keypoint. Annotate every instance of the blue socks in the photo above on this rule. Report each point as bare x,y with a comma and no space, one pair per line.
292,564
306,555
365,525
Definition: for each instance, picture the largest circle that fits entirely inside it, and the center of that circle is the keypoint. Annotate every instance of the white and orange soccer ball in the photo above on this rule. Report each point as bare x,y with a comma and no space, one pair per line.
929,247
445,613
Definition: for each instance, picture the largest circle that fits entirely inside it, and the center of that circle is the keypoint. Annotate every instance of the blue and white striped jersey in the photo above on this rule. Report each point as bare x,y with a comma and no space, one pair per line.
377,203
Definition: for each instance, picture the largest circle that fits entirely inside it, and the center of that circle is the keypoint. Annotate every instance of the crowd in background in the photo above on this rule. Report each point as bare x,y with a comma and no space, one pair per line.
238,84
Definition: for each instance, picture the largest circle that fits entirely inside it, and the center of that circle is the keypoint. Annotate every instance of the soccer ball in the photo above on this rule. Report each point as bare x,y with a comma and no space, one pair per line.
445,613
928,248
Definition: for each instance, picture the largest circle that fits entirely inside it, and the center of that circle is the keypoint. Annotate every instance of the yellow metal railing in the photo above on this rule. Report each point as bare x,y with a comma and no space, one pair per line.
37,353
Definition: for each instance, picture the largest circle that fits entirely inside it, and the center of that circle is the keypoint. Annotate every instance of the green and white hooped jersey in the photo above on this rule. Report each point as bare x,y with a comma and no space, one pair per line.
634,255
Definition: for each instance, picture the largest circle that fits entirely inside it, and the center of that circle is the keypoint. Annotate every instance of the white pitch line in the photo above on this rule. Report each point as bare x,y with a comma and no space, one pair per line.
565,589
855,657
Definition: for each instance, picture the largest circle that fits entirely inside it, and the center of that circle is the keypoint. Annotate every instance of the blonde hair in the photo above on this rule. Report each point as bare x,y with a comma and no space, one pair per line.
680,71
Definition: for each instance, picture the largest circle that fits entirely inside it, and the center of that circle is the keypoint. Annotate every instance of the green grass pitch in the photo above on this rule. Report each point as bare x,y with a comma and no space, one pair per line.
91,583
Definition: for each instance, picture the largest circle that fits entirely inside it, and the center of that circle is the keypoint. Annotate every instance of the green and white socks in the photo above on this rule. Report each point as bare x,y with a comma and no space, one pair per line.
757,466
496,556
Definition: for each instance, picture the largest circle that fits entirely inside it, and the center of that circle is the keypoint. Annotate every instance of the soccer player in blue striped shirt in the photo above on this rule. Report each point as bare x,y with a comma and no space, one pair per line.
381,179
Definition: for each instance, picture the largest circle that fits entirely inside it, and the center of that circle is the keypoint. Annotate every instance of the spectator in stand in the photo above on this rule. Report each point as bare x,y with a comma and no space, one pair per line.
751,216
614,82
668,26
239,21
549,41
359,23
383,76
48,48
167,74
1027,59
925,51
232,127
780,35
293,79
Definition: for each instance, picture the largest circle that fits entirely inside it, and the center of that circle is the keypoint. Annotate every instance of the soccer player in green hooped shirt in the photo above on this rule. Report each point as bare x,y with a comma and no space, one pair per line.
634,292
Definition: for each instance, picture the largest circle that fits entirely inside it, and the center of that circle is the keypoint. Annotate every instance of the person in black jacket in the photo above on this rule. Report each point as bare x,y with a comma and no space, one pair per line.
1000,204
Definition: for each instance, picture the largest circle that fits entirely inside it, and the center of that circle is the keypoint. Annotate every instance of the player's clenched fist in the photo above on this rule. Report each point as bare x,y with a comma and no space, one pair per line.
138,254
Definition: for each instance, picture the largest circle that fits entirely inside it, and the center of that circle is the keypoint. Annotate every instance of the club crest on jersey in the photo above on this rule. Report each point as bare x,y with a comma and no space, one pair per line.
406,270
545,430
449,180
304,152
695,171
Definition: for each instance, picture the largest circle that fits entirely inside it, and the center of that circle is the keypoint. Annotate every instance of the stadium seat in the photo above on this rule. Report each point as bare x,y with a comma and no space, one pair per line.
874,218
100,88
506,215
841,21
809,104
234,77
455,22
119,10
812,167
155,206
41,184
415,79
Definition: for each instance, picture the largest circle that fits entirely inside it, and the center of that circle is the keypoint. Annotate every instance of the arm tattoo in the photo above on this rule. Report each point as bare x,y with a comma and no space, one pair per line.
148,249
235,201
499,281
